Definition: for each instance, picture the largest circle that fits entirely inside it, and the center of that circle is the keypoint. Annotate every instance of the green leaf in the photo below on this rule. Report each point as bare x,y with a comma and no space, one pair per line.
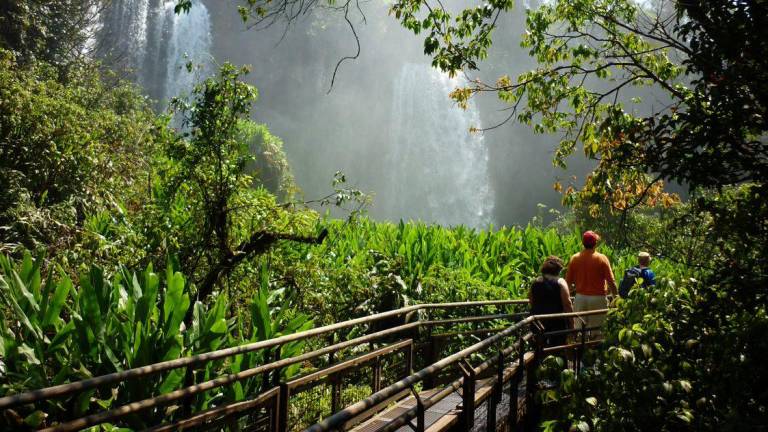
260,308
175,304
582,426
172,381
35,420
23,289
29,354
10,298
56,303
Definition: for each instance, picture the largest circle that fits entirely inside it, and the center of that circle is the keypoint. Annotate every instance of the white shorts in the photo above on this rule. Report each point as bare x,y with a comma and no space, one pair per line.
588,303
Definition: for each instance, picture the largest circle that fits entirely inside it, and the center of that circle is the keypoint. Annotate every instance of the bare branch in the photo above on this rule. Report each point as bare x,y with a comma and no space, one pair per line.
357,42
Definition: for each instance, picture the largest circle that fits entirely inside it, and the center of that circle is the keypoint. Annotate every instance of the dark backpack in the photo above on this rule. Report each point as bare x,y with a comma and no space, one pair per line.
629,281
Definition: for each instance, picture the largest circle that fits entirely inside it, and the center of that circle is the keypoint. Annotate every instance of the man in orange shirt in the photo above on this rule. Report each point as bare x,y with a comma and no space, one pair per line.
590,271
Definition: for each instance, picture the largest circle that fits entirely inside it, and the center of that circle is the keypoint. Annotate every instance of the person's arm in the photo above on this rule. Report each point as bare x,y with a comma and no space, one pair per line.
565,298
570,275
610,280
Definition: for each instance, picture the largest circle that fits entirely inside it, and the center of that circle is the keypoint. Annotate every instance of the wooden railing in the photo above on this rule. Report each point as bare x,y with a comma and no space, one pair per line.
342,381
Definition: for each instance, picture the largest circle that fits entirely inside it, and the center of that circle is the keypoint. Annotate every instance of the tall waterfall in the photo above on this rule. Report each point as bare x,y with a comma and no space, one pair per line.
148,37
124,31
189,40
438,170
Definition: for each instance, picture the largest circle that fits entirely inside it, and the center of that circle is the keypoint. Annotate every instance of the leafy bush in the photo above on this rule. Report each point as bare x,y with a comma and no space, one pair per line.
55,331
366,266
677,357
66,152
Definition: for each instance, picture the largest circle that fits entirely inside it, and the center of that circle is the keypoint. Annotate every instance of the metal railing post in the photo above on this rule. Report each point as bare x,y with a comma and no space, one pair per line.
335,392
467,397
376,369
272,411
409,360
376,378
332,354
514,384
189,380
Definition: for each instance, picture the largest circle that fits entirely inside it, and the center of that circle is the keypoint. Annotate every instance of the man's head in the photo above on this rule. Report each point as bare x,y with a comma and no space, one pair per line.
644,259
590,239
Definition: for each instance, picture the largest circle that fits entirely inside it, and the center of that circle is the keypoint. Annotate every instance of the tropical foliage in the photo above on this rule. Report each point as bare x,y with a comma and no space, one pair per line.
674,362
103,191
705,62
593,55
54,330
65,153
365,266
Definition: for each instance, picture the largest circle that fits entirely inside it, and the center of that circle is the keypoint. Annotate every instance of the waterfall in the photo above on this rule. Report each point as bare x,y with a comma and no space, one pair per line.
437,169
188,40
124,32
148,37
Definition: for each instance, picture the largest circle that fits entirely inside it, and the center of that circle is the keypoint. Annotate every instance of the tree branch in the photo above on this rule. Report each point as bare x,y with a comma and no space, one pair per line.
258,243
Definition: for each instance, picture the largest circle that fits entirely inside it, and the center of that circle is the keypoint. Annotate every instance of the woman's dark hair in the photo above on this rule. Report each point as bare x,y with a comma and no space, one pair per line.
552,266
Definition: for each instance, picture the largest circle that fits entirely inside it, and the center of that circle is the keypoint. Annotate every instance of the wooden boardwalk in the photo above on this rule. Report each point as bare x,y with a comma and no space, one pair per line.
469,361
446,413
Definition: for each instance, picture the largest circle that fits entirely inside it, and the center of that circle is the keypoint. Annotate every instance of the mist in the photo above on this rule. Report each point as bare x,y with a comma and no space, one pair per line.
387,122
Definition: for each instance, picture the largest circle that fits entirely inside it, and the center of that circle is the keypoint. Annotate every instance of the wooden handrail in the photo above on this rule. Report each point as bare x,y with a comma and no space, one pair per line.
138,406
65,389
341,417
315,376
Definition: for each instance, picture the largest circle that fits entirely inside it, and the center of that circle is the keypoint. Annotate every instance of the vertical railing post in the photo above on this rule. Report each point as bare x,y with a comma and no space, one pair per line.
420,425
409,359
332,355
273,408
376,369
467,397
496,395
531,409
514,384
335,393
282,408
376,378
500,375
580,353
189,380
429,382
277,371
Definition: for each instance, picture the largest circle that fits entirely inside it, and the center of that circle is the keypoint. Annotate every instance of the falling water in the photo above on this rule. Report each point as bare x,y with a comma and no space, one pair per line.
124,31
150,38
437,169
188,41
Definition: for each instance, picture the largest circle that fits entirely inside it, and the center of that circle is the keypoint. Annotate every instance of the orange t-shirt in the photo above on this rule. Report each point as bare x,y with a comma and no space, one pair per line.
589,271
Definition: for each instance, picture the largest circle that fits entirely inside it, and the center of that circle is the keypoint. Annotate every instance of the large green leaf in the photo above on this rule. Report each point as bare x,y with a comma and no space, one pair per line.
10,299
56,303
175,304
260,308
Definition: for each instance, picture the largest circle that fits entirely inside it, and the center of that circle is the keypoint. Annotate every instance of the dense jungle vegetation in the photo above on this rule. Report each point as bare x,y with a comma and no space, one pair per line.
129,237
